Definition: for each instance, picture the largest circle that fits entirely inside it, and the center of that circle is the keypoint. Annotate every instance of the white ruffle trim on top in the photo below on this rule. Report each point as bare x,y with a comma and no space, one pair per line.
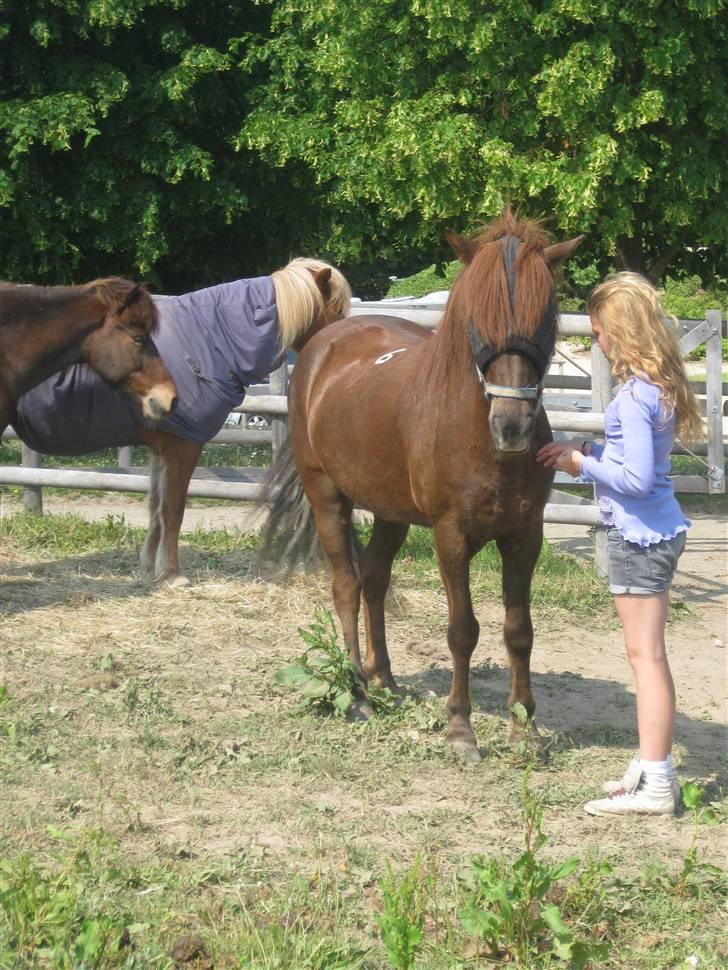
652,537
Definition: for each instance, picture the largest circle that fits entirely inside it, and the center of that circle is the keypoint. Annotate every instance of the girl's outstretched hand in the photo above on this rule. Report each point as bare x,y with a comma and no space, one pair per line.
564,455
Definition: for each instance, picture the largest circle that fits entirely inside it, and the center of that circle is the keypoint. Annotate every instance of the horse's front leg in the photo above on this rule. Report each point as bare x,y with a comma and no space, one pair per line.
453,556
376,572
148,555
519,560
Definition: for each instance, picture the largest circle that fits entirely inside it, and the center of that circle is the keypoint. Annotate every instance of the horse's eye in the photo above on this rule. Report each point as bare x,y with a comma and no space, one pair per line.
139,339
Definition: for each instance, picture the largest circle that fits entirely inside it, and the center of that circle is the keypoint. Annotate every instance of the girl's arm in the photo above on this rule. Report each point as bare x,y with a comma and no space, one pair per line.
638,410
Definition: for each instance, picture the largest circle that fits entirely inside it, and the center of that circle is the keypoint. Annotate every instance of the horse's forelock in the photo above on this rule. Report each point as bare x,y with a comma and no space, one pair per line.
482,287
113,293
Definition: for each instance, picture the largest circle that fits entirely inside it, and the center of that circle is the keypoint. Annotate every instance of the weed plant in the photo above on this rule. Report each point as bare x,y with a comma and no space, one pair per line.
508,906
324,675
404,906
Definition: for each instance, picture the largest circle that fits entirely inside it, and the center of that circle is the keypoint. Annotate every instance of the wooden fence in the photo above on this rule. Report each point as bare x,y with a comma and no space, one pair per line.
574,404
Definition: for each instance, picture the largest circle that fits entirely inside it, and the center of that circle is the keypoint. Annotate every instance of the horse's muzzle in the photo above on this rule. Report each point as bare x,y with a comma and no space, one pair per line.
159,403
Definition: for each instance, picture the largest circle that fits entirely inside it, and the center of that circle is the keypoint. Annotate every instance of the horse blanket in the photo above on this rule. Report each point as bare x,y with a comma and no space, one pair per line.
215,342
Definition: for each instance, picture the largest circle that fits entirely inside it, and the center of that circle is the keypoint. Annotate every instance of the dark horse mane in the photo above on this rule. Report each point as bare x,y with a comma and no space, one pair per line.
111,291
480,292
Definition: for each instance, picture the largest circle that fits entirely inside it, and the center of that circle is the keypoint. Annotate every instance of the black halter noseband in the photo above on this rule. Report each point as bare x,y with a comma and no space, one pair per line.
539,347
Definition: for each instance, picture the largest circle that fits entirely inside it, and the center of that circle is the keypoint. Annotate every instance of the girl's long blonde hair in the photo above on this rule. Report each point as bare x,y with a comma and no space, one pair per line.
643,340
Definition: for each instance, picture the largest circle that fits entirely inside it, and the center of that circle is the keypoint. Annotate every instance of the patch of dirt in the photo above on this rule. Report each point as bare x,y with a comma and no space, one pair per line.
187,745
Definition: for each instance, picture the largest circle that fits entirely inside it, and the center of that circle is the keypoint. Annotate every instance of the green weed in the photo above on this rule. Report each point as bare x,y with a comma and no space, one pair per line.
324,676
509,908
696,875
402,921
44,918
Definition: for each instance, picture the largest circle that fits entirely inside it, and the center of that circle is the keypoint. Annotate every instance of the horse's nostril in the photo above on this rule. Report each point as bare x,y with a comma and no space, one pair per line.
173,405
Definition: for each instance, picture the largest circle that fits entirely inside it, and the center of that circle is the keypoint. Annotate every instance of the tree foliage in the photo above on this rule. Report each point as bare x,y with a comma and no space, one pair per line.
607,118
188,142
116,127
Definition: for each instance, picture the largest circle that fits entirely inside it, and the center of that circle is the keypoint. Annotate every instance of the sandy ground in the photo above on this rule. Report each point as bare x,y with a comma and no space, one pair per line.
598,676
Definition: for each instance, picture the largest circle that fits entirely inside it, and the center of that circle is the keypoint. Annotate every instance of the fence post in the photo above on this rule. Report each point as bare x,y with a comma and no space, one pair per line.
32,494
125,456
713,402
279,423
601,396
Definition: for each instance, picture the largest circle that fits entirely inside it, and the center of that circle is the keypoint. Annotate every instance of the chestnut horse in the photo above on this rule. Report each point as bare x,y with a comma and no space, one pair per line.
108,324
215,342
434,430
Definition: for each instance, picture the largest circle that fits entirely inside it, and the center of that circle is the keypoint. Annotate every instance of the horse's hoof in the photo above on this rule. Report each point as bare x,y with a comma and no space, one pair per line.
461,739
177,582
360,710
467,751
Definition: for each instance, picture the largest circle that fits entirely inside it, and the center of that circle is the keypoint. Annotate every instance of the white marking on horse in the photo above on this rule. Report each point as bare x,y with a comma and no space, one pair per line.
385,357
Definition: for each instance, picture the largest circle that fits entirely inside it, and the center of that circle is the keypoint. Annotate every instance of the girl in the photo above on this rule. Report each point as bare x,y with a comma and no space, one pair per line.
646,527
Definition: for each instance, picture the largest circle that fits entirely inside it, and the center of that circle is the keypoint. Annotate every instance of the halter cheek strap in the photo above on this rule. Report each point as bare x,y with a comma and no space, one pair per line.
539,347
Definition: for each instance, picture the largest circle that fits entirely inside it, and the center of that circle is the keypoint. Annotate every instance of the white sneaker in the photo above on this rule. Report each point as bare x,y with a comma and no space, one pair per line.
637,802
631,779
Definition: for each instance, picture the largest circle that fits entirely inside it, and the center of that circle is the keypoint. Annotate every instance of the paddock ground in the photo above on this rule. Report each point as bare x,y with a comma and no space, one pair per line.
152,715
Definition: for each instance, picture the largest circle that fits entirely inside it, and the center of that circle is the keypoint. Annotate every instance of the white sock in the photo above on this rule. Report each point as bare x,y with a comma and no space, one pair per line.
658,775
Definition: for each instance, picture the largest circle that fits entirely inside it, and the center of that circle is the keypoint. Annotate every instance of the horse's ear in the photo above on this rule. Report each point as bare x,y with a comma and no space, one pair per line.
134,295
323,281
560,252
463,248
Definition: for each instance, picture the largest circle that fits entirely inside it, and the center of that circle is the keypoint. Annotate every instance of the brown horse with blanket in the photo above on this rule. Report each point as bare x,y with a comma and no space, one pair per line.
215,342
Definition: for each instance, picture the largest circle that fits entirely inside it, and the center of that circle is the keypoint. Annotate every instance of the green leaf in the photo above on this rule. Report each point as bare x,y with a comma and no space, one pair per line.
294,676
520,713
316,688
343,701
565,868
692,794
552,915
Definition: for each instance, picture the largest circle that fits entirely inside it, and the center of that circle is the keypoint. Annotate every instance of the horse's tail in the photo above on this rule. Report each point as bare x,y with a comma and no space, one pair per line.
289,535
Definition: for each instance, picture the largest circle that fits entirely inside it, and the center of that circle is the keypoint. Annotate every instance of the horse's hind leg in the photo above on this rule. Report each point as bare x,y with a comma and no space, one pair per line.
519,560
453,556
180,458
376,572
332,514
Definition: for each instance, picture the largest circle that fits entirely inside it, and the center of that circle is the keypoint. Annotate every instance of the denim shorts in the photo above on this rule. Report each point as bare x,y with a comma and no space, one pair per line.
642,570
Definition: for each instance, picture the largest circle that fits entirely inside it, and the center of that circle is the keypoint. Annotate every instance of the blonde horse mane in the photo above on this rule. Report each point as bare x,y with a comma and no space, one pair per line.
299,301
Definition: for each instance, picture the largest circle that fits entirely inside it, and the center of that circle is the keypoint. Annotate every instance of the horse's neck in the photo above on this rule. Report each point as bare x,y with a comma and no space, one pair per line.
40,344
449,361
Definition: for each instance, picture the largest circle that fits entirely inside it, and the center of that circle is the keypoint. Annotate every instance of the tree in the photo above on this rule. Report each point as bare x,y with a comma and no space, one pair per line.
611,119
117,120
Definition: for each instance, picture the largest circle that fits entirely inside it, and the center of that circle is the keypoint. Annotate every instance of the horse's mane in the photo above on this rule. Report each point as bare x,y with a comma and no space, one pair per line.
299,301
19,299
480,292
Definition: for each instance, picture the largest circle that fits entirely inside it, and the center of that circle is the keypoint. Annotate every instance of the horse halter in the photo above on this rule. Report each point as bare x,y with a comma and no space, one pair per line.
539,347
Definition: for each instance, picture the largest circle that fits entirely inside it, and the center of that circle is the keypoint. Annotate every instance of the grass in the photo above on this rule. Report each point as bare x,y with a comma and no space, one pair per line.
163,795
560,581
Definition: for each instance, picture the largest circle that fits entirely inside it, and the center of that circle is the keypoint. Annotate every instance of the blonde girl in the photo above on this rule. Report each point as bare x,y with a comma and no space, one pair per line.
645,525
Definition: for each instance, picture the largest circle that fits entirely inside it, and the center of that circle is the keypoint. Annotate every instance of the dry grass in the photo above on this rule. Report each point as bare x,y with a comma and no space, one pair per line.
145,725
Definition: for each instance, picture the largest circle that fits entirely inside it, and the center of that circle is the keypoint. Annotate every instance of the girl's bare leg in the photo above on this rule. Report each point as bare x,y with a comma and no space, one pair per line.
643,624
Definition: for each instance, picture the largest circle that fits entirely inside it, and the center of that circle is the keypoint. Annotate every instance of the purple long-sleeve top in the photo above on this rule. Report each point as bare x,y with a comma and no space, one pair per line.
631,469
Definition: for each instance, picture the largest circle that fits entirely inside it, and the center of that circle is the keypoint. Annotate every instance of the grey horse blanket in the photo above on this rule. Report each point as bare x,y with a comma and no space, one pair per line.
215,342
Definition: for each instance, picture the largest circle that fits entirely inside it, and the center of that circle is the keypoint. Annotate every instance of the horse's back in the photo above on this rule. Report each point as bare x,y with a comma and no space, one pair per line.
360,338
353,404
362,362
